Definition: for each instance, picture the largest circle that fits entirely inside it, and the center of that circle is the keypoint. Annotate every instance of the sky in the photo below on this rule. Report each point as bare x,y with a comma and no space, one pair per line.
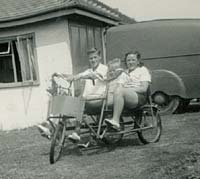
142,10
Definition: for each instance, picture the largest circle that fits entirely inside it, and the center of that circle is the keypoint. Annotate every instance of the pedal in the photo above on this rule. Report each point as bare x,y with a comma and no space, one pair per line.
102,135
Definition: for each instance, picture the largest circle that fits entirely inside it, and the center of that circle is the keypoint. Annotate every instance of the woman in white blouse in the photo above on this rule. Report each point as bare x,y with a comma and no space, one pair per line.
134,93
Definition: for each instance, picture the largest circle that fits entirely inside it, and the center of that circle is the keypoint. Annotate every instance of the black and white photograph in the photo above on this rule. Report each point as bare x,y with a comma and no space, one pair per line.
100,89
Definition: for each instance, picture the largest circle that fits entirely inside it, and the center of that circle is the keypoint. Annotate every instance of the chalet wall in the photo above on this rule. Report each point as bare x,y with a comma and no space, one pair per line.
26,106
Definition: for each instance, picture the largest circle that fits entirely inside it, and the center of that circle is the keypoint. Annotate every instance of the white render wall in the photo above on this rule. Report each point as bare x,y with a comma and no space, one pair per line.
22,107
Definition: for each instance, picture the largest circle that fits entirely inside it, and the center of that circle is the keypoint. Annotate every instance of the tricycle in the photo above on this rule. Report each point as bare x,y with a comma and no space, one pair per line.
144,120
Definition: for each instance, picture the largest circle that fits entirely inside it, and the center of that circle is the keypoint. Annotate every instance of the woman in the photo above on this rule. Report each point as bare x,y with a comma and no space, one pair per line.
134,93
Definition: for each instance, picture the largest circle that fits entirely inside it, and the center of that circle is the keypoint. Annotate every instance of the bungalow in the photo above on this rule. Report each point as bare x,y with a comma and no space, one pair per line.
38,38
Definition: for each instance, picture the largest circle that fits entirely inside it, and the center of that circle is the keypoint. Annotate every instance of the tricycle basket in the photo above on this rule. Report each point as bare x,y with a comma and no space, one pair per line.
67,106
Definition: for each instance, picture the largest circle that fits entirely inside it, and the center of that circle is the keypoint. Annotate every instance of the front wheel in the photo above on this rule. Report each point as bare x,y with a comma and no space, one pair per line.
57,143
112,136
150,125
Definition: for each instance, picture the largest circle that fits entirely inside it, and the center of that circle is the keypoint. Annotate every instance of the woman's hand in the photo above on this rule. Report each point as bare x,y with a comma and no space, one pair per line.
141,88
70,78
56,74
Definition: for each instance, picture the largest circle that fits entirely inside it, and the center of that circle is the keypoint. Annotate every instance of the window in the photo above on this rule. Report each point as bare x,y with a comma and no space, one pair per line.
18,61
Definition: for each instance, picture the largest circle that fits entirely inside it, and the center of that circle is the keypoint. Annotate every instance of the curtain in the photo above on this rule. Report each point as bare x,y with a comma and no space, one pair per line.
32,58
24,57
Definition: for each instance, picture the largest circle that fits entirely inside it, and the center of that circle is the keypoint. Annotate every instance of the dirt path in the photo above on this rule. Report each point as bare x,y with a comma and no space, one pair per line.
24,155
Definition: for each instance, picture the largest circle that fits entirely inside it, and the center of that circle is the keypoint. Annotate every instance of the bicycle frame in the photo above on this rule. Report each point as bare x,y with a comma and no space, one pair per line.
132,114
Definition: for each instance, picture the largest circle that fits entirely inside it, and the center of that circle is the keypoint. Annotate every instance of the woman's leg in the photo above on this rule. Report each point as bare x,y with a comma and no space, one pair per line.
118,103
123,97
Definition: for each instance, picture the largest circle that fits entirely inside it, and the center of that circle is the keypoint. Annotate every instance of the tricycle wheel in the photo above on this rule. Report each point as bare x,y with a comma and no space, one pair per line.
150,124
112,136
57,143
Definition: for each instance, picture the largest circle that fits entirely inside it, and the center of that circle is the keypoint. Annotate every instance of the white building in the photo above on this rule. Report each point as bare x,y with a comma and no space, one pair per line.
38,38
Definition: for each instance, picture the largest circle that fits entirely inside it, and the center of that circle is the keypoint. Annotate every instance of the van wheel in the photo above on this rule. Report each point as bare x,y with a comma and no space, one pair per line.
166,104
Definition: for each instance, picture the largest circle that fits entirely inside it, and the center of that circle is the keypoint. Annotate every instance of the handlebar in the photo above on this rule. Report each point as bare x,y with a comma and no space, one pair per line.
58,87
62,77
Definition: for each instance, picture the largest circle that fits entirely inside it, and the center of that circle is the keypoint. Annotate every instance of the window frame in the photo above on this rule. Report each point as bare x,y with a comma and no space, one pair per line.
14,84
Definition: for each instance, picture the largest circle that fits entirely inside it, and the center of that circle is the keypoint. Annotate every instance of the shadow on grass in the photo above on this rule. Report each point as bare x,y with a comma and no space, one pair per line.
99,147
191,108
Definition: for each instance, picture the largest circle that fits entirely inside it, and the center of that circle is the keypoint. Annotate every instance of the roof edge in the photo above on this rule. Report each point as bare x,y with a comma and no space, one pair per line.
55,14
60,8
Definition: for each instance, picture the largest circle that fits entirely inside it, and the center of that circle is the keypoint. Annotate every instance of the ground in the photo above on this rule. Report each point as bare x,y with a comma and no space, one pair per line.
24,154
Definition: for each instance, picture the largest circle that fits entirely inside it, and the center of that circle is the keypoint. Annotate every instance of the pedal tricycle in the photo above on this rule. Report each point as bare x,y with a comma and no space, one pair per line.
144,120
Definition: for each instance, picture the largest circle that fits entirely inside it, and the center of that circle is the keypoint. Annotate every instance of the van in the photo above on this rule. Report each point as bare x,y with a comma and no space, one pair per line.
170,49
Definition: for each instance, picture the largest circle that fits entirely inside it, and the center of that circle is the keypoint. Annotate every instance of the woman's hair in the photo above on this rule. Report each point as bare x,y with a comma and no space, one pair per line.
138,55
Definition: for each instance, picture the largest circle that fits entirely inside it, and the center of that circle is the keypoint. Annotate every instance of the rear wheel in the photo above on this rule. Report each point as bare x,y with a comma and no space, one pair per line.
150,125
166,104
57,143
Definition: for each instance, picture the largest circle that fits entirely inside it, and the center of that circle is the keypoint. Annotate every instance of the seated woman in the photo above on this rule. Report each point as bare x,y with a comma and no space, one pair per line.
134,93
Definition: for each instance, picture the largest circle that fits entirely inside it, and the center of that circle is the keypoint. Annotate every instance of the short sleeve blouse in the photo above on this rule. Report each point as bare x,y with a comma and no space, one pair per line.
139,75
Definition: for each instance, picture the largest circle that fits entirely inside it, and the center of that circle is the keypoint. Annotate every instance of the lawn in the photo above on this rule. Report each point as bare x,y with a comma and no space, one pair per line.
24,154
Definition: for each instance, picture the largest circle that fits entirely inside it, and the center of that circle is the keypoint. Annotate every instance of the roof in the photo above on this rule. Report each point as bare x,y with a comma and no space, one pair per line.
155,39
12,10
156,23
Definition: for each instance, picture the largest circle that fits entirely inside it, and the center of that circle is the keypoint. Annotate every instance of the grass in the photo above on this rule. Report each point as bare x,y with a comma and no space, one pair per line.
24,154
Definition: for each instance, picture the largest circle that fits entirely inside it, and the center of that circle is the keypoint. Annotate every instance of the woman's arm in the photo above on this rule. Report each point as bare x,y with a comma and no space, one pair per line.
141,88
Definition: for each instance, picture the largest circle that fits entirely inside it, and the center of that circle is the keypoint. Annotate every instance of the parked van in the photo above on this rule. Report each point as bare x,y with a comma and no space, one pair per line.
171,50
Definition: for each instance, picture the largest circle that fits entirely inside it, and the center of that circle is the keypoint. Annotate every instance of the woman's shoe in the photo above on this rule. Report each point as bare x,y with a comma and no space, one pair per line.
44,131
84,145
74,137
113,123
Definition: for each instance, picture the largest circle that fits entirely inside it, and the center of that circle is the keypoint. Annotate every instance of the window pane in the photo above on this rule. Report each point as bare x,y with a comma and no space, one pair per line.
4,48
6,69
17,63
